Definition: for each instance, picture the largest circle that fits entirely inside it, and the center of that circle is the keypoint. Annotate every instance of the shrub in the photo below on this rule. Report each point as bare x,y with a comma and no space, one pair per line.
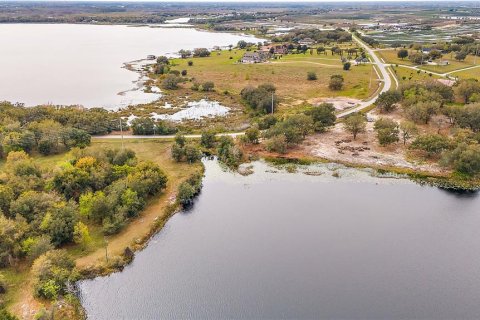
387,131
311,76
51,272
387,101
336,82
190,63
208,139
323,116
346,66
171,82
432,144
277,144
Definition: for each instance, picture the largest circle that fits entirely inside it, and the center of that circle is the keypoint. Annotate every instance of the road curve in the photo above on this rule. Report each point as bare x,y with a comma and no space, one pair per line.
387,81
364,104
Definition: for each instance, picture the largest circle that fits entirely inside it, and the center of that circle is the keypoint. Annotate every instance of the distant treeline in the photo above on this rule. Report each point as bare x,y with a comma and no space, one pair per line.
320,36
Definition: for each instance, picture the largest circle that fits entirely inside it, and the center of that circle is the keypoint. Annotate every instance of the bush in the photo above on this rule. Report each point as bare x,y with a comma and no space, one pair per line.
260,98
189,189
267,121
252,135
464,159
190,63
208,86
184,73
276,144
208,139
387,131
336,82
228,153
346,66
323,116
387,101
171,82
432,144
51,272
311,76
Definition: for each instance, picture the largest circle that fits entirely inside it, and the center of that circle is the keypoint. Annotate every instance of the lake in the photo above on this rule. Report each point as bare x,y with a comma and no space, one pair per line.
304,245
84,64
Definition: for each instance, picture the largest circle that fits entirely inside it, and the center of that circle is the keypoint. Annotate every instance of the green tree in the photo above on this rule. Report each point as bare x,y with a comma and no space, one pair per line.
51,272
355,124
323,116
387,101
402,54
432,144
387,131
81,235
208,139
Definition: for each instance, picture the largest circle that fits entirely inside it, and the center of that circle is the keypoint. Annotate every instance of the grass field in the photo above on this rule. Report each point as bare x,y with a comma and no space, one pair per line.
468,74
390,56
158,151
406,75
288,74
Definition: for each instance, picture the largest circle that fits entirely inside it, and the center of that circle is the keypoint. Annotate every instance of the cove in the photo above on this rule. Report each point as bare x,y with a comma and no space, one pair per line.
68,64
304,245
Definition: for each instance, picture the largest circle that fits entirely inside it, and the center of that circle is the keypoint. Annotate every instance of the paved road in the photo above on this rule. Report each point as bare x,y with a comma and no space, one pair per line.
387,81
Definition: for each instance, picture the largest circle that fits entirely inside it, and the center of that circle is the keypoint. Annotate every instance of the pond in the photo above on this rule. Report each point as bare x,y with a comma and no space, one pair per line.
85,64
304,245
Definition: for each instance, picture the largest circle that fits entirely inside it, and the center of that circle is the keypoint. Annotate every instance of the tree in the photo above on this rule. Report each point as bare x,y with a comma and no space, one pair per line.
423,111
460,56
432,144
408,129
51,272
6,197
185,194
252,135
387,101
323,116
402,54
81,235
467,88
35,247
192,154
355,124
147,179
59,222
208,139
261,98
171,82
143,126
201,52
242,44
185,53
418,58
336,82
311,76
346,66
180,140
387,131
163,60
295,128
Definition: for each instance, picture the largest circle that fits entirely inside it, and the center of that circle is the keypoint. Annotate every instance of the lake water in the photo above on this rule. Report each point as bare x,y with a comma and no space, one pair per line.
84,64
283,245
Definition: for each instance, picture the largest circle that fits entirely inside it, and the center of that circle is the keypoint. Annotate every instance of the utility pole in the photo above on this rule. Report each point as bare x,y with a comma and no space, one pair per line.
476,54
272,102
121,131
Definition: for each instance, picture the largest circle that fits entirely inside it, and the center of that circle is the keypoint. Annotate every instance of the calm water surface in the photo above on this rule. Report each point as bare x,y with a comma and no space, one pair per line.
83,64
280,245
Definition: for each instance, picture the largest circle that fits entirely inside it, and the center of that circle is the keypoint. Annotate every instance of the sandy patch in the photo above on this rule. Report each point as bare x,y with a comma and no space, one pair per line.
340,103
338,145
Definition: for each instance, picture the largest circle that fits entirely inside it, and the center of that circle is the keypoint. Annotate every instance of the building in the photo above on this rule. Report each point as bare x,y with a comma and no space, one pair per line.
306,42
255,57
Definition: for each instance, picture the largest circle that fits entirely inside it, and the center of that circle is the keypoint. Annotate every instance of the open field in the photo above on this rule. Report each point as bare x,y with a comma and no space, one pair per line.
390,56
468,74
405,74
288,74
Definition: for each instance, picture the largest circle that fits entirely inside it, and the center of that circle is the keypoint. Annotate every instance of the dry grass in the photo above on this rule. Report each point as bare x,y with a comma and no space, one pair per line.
288,74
